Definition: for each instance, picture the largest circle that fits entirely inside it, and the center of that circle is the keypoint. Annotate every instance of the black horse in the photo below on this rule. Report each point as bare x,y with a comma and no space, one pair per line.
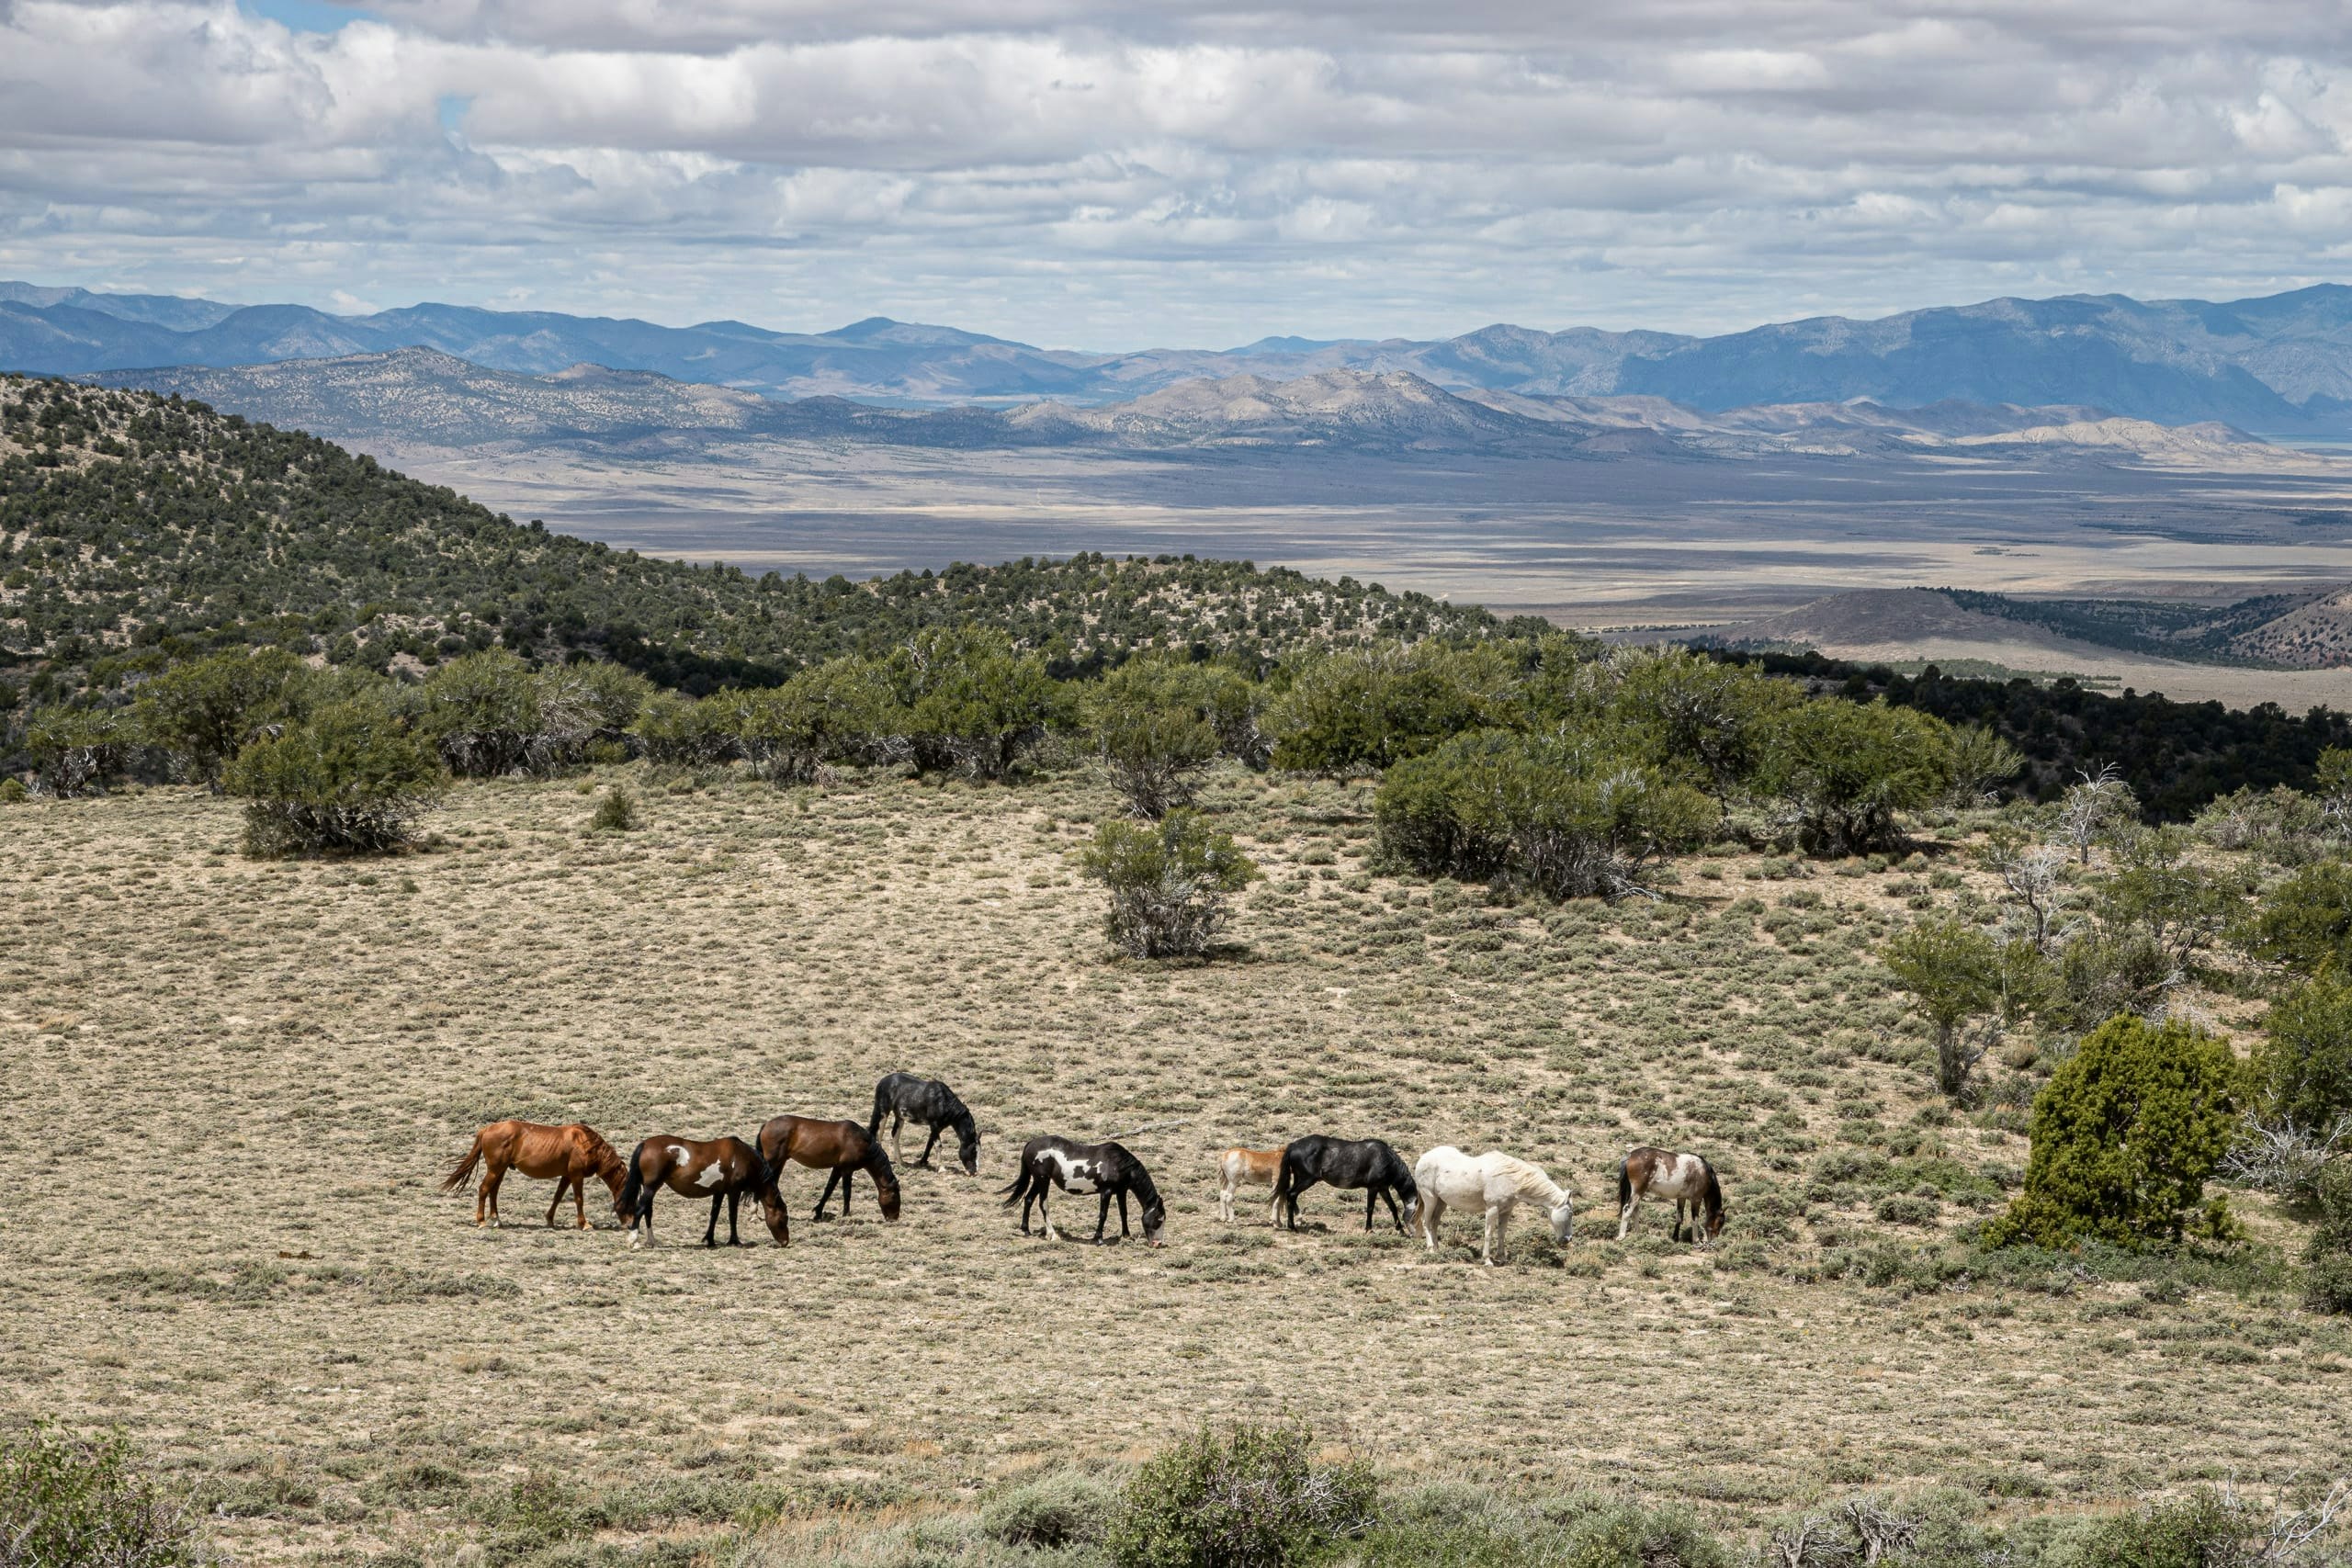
1368,1162
1106,1168
904,1098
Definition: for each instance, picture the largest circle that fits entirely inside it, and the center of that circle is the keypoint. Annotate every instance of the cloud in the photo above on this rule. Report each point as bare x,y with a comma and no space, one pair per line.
1107,173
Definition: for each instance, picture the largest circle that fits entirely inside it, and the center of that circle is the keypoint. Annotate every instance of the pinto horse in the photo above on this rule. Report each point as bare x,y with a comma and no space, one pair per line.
1240,1168
1368,1162
1661,1173
1494,1181
571,1154
1106,1168
840,1148
904,1098
724,1168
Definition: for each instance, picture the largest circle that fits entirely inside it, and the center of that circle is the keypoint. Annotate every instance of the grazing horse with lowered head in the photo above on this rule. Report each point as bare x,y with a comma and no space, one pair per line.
1368,1162
1689,1180
904,1098
1494,1181
1106,1168
571,1154
841,1149
725,1169
1240,1168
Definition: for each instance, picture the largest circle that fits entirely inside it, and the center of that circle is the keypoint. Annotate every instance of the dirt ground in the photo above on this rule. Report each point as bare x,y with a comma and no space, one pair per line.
233,1088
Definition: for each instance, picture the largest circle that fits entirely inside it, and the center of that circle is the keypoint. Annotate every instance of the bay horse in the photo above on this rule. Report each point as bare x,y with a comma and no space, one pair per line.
1240,1168
904,1098
1105,1168
1494,1181
570,1154
1689,1180
840,1149
1368,1162
724,1168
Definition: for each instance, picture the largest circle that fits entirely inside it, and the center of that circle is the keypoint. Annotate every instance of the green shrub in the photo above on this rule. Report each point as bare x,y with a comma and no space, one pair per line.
1706,722
2304,923
2123,1138
1252,1498
2204,1529
973,700
76,750
348,780
616,813
1845,770
1169,883
680,731
1564,815
66,1502
1065,1507
1957,973
2329,1285
1361,710
12,790
1154,723
203,711
2305,1058
490,712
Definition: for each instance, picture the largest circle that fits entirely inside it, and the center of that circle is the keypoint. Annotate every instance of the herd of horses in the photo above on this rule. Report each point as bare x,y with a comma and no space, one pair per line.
727,1169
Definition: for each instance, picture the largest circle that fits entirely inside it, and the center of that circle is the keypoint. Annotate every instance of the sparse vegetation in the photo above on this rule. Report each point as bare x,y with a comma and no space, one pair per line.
66,1502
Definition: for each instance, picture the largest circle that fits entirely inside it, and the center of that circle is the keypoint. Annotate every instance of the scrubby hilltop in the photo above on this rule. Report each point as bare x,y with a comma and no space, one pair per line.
134,526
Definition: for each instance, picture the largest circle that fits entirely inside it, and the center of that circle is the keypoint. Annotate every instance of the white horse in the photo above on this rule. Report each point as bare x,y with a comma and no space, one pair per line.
1496,1183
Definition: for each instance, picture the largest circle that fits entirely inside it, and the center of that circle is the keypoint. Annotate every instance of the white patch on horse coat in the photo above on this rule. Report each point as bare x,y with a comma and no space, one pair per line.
678,1153
1076,1175
712,1175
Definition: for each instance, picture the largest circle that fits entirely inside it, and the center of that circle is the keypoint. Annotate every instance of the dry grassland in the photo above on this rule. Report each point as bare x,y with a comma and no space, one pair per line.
233,1088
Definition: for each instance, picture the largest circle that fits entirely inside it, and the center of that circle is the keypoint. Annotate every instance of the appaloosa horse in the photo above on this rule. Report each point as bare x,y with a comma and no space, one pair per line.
1689,1180
1106,1168
840,1149
725,1169
904,1098
1368,1162
570,1154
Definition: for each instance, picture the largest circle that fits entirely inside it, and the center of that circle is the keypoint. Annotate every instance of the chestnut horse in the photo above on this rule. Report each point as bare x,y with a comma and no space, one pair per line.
843,1149
1689,1180
724,1168
1237,1167
571,1154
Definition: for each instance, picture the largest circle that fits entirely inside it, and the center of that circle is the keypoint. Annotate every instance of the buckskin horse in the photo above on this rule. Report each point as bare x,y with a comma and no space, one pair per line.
725,1169
570,1154
840,1148
1689,1180
904,1098
1106,1168
1368,1162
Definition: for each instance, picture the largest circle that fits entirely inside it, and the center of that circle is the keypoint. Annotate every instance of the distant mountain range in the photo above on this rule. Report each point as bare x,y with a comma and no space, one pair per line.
412,399
2281,363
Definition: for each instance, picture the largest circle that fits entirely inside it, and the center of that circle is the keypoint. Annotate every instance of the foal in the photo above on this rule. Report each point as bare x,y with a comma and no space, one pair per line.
904,1098
1240,1168
840,1148
1106,1168
724,1168
1368,1162
1660,1173
571,1154
1496,1183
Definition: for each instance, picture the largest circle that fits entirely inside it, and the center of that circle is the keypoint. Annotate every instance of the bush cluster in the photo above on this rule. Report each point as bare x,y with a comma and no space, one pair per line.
1252,1497
65,1500
1169,882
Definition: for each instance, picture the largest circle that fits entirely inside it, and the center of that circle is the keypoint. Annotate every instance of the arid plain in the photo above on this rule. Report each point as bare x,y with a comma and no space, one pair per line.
236,1086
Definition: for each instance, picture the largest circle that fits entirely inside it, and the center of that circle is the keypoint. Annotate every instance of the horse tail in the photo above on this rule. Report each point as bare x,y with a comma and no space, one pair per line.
1014,1194
634,1189
465,1167
881,1107
1624,1182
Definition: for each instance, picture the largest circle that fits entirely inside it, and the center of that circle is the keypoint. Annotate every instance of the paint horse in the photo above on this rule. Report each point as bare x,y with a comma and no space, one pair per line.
904,1098
1689,1180
1367,1163
1492,1181
1105,1168
1240,1168
571,1154
725,1169
841,1149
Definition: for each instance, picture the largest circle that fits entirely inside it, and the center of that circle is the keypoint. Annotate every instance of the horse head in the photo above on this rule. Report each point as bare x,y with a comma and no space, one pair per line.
1564,1220
885,1183
1155,1215
967,1144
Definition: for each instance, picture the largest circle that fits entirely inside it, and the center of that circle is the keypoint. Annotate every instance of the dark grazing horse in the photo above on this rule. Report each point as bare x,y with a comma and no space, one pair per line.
840,1149
571,1154
1368,1162
1106,1168
904,1098
1689,1180
725,1169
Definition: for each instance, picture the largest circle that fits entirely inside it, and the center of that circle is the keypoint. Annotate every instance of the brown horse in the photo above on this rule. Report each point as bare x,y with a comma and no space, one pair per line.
1689,1180
571,1154
724,1168
843,1148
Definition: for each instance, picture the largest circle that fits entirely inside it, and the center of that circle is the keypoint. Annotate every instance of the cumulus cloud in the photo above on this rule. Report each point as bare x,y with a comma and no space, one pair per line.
1107,173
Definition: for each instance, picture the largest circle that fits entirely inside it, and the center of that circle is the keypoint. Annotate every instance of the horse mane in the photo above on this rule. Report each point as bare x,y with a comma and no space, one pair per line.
1714,1192
1140,1179
1530,1180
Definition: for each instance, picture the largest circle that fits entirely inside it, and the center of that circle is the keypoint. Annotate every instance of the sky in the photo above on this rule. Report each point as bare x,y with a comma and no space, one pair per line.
1092,175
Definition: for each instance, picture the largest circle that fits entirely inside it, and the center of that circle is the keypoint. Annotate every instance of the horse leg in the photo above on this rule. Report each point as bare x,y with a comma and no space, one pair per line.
490,1177
561,1181
1625,1215
641,1224
1045,1212
580,1199
734,1203
1123,1213
1104,1218
924,1159
827,1196
1225,1200
1395,1216
1372,1196
710,1232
